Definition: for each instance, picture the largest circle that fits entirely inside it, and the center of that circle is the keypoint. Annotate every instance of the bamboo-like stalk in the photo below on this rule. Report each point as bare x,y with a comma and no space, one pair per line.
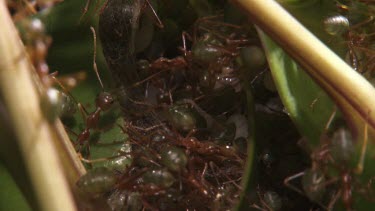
36,136
349,89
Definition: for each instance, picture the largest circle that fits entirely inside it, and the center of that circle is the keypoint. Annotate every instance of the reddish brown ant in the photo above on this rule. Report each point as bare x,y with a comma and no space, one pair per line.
103,102
333,155
37,44
357,36
215,52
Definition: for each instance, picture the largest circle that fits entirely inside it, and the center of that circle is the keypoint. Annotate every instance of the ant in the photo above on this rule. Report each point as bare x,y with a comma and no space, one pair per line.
334,154
214,51
37,44
358,37
54,103
103,102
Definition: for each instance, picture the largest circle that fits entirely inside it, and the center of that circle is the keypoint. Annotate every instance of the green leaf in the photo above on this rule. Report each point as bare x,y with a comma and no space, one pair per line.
307,104
11,197
298,91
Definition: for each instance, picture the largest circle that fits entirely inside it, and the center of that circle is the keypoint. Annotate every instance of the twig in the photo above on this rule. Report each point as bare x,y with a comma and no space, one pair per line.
36,136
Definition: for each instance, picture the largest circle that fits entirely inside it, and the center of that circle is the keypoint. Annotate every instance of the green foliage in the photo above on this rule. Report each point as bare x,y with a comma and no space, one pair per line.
11,197
307,104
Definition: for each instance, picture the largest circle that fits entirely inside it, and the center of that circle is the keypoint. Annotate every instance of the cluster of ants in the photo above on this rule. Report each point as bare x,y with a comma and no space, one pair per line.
181,148
185,115
355,26
188,144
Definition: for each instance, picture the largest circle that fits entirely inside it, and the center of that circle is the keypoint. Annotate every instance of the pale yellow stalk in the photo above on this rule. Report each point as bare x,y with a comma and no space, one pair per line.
36,136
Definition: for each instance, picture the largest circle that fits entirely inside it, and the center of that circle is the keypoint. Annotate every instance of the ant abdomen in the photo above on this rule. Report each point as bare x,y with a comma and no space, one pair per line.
254,59
272,200
56,104
159,177
184,118
342,147
174,158
336,25
97,181
121,159
206,50
124,200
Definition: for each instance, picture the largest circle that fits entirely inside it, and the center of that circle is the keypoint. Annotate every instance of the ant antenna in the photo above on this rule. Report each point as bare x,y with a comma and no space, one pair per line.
361,161
94,59
159,23
330,119
85,9
30,7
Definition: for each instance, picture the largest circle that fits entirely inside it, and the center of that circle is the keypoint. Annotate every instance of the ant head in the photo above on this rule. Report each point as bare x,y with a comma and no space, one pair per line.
104,100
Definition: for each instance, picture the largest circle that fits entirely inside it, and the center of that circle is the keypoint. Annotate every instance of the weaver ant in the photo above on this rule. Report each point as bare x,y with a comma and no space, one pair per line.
334,154
103,102
358,37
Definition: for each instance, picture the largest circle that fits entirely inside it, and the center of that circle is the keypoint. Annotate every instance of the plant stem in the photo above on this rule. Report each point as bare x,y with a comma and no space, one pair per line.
351,92
36,136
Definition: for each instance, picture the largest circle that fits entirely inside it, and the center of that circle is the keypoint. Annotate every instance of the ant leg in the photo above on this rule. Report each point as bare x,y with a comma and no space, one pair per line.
53,76
314,102
359,168
255,206
293,177
94,59
148,129
159,23
191,133
30,7
170,96
184,36
353,57
261,200
71,80
83,111
330,119
148,78
85,9
98,160
333,200
258,76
